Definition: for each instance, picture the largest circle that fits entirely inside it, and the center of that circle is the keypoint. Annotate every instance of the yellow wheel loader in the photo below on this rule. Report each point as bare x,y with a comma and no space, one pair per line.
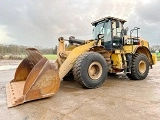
88,62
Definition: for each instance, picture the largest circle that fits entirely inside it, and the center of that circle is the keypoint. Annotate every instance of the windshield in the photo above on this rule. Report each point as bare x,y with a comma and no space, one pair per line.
103,28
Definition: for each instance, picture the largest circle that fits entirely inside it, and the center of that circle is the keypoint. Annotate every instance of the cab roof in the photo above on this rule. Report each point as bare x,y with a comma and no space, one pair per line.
108,18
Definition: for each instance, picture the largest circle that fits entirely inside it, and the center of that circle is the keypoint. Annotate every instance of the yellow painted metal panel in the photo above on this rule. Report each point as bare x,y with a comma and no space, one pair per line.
70,60
154,58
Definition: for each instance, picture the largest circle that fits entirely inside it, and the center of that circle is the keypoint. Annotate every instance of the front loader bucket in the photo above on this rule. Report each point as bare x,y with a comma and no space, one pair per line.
35,78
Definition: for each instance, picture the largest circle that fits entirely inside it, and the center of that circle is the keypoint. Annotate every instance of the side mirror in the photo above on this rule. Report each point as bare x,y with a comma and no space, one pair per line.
125,30
100,36
117,24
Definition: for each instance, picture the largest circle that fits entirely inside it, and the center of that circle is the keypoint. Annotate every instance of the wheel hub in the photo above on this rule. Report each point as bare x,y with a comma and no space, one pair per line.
142,67
95,70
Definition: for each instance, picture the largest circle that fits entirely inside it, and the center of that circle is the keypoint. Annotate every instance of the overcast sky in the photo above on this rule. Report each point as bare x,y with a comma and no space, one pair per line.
41,22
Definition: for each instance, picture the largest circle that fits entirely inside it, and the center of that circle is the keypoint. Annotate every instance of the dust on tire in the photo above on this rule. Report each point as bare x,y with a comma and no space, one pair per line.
80,70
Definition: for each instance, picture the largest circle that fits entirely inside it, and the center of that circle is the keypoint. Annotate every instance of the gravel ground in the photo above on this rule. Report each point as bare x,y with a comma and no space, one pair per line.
117,99
9,62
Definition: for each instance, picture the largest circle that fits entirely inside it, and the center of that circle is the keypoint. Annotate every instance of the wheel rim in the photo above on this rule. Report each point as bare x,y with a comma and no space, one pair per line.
95,70
142,67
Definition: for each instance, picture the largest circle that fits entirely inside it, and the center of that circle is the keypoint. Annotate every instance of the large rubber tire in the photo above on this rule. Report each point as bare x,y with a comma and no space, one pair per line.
90,70
139,68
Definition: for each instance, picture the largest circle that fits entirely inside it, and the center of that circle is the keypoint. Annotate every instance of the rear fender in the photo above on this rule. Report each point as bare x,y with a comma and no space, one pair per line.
145,50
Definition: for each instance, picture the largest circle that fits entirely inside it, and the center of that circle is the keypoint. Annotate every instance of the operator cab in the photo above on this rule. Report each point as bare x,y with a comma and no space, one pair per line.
110,30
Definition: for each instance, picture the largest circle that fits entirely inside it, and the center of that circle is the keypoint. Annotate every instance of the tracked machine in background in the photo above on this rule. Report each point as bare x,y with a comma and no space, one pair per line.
88,62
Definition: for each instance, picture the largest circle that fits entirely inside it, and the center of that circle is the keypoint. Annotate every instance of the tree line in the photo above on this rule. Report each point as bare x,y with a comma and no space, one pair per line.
155,48
20,49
